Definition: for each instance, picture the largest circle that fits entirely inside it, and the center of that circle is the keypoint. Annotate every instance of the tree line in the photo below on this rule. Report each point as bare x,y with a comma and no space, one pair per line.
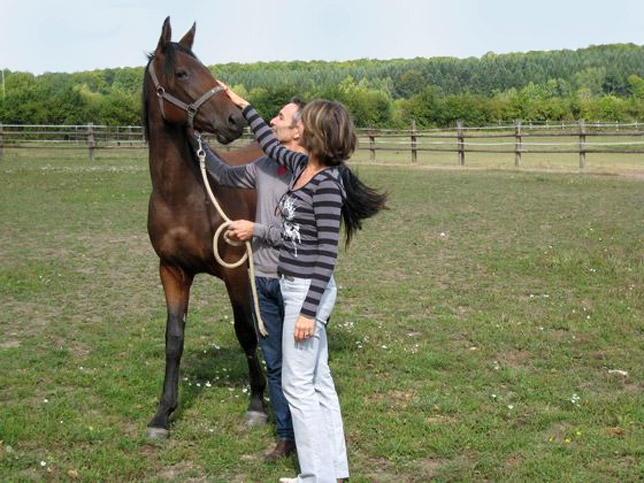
598,83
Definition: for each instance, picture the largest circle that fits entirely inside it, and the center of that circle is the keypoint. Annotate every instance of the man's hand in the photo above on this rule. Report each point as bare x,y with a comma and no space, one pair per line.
304,328
241,230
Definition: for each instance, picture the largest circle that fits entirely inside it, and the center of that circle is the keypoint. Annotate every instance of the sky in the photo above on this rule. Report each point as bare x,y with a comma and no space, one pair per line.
40,36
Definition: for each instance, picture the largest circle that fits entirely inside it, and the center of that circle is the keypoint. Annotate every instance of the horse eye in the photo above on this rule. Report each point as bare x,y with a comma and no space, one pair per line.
182,74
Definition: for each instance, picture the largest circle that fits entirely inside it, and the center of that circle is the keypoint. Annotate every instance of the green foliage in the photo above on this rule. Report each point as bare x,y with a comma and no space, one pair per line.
603,82
636,86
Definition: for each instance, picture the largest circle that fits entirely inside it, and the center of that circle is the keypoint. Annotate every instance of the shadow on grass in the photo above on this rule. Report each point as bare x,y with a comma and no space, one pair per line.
226,368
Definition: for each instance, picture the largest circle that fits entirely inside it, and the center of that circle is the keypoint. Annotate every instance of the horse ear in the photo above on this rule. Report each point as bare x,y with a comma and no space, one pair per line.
166,35
189,38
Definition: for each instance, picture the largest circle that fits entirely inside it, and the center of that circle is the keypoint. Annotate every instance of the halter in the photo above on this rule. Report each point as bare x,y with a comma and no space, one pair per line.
191,109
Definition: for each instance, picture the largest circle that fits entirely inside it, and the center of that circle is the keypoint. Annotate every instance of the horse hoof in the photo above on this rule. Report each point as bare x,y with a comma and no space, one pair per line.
156,433
256,418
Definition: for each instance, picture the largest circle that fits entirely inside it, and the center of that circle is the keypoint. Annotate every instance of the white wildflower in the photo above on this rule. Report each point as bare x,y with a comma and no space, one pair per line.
618,371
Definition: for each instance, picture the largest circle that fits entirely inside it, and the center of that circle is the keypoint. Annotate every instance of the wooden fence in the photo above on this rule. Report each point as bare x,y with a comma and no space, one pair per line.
519,138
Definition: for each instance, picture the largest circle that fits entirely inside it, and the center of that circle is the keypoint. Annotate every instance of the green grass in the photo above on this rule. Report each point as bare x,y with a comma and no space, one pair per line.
480,324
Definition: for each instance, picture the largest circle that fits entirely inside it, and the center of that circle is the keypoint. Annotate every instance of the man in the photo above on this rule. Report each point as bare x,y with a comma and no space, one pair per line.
271,182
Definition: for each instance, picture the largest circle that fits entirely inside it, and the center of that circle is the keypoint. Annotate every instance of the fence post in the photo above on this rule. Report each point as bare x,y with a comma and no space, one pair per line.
414,152
91,141
460,137
1,143
517,142
582,144
372,145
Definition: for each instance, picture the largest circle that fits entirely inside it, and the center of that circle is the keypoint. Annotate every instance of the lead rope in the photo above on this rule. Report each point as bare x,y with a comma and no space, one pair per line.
201,154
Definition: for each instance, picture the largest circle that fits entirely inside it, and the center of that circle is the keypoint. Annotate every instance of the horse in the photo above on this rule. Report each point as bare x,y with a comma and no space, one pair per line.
181,95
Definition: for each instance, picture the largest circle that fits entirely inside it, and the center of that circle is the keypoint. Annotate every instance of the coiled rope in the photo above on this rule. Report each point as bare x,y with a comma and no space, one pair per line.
248,254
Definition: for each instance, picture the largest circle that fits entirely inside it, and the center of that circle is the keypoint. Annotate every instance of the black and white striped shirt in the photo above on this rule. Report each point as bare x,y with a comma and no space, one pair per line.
310,216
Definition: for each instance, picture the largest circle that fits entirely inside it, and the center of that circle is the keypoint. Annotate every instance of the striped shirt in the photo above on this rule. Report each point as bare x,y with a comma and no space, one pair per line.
311,216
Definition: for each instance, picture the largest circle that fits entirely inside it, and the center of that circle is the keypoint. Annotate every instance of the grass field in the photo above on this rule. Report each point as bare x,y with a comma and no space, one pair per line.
489,327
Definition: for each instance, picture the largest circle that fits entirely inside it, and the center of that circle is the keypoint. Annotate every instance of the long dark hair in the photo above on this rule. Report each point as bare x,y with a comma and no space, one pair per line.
361,202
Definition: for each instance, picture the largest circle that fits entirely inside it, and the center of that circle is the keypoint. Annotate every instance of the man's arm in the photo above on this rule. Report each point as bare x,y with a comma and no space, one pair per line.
233,176
271,234
245,230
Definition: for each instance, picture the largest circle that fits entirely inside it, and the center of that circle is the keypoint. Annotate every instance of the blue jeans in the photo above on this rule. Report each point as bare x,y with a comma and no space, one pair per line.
309,389
271,308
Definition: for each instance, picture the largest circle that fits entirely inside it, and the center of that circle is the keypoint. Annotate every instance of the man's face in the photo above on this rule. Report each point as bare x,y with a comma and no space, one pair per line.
282,124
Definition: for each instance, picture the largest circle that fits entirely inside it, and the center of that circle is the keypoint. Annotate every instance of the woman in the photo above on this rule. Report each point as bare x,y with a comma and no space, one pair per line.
323,191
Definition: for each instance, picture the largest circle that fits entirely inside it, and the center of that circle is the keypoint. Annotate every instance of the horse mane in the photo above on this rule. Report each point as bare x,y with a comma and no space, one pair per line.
170,55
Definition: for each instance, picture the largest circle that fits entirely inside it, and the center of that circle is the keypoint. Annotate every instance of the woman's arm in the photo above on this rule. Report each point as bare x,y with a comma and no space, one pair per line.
264,135
269,143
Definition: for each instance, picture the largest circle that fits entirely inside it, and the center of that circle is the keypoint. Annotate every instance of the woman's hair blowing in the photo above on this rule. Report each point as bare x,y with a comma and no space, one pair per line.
361,202
329,135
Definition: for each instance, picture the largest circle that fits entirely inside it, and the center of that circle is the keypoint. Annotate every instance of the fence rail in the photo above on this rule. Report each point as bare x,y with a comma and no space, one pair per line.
517,138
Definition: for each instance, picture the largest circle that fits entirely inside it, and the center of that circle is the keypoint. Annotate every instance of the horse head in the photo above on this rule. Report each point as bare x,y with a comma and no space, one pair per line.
187,92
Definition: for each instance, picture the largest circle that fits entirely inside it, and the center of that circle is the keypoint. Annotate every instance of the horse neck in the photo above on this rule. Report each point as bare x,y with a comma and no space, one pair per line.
169,158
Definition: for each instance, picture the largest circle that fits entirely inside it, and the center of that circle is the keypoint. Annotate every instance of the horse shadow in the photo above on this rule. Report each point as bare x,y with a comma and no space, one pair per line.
208,367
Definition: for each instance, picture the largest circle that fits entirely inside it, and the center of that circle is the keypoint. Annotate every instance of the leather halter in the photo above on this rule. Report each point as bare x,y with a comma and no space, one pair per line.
191,109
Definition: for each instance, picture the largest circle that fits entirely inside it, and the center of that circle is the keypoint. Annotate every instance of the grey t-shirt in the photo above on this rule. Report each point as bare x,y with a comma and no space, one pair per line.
271,181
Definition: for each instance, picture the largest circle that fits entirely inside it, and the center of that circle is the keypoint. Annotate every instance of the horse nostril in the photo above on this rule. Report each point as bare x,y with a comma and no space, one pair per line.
232,121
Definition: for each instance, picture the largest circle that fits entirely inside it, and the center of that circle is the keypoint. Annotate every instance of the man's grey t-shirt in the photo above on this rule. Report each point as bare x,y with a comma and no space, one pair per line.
271,181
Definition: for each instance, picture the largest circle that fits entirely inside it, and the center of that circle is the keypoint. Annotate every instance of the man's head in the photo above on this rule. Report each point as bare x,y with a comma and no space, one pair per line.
286,125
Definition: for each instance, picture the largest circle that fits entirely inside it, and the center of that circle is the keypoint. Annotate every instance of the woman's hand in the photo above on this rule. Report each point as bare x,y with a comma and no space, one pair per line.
304,328
238,101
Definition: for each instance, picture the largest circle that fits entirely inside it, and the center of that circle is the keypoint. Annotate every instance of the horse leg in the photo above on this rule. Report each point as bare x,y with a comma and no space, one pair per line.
238,292
176,285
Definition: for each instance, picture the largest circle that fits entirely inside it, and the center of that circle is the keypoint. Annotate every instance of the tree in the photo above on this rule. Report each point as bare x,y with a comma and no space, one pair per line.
410,83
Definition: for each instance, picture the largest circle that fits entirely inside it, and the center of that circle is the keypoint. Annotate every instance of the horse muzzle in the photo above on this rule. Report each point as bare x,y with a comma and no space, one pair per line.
230,128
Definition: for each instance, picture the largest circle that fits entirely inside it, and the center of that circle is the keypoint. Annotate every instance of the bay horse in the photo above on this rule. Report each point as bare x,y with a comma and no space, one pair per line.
179,94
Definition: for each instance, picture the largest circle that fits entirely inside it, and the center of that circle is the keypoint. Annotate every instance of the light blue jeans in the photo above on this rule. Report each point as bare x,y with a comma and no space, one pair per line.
309,388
